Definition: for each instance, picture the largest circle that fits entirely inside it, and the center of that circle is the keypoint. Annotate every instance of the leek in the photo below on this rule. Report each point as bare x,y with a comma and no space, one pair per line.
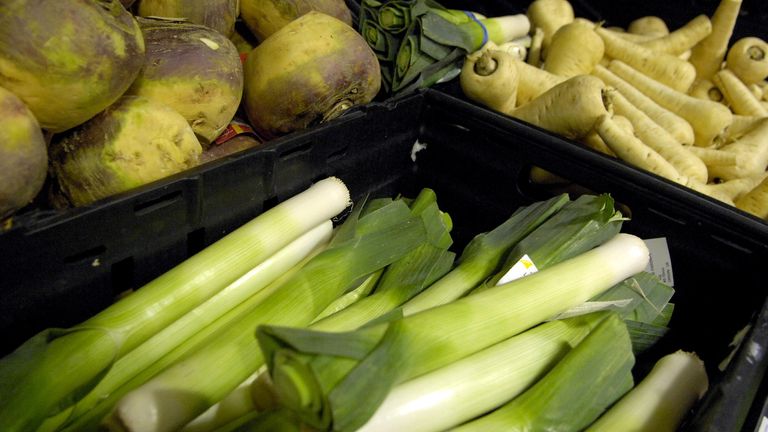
420,42
482,381
591,377
361,246
482,256
396,283
325,377
72,361
151,351
661,400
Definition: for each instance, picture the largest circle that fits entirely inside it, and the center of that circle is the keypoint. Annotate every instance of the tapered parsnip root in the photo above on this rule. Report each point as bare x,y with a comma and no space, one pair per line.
648,25
665,68
549,16
633,151
490,77
533,82
675,125
534,52
748,59
707,56
654,136
751,155
741,125
571,108
575,49
706,90
738,96
709,119
756,200
682,39
539,175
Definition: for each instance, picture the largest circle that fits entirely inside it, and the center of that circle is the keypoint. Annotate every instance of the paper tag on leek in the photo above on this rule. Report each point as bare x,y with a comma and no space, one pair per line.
660,263
523,267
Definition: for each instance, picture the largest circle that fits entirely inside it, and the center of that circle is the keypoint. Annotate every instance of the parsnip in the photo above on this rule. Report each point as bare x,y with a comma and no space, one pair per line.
665,68
634,151
575,49
748,59
549,15
683,38
751,151
534,52
571,108
738,96
593,140
707,90
736,188
533,82
741,125
490,77
709,119
677,126
655,137
756,200
648,25
707,56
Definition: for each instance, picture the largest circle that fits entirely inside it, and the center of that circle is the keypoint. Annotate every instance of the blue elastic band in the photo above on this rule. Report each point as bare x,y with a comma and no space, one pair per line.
482,26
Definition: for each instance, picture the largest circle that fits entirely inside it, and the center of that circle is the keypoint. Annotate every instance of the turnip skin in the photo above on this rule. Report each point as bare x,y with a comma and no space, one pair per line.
265,17
68,59
23,155
307,73
219,15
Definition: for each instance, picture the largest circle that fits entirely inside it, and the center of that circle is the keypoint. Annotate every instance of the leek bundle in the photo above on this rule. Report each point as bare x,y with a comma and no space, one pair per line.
325,377
361,246
419,42
72,361
578,389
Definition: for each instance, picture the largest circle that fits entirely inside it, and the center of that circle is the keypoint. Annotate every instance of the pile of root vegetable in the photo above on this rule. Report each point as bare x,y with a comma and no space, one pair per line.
98,97
687,104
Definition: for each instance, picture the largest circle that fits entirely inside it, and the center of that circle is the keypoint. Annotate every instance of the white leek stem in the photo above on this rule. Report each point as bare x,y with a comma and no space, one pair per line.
661,400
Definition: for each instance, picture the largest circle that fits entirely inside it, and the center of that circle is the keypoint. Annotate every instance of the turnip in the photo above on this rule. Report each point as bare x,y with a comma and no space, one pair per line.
310,71
219,15
132,143
194,70
68,59
23,154
264,17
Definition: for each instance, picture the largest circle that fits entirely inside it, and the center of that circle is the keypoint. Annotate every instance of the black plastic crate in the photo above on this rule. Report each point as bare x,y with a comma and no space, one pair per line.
59,269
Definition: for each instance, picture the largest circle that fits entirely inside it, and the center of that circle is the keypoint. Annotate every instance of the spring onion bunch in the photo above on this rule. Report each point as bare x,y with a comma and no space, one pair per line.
325,377
419,42
72,361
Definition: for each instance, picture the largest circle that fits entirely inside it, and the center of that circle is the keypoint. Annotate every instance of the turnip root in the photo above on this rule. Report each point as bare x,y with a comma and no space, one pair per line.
738,96
310,71
709,119
23,155
571,108
682,39
219,15
133,142
194,70
634,151
490,78
265,17
654,136
68,59
707,56
666,68
675,125
575,49
755,201
748,59
549,16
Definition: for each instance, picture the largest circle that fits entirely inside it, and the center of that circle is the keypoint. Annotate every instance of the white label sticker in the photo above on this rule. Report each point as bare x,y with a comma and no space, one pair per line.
660,263
523,267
